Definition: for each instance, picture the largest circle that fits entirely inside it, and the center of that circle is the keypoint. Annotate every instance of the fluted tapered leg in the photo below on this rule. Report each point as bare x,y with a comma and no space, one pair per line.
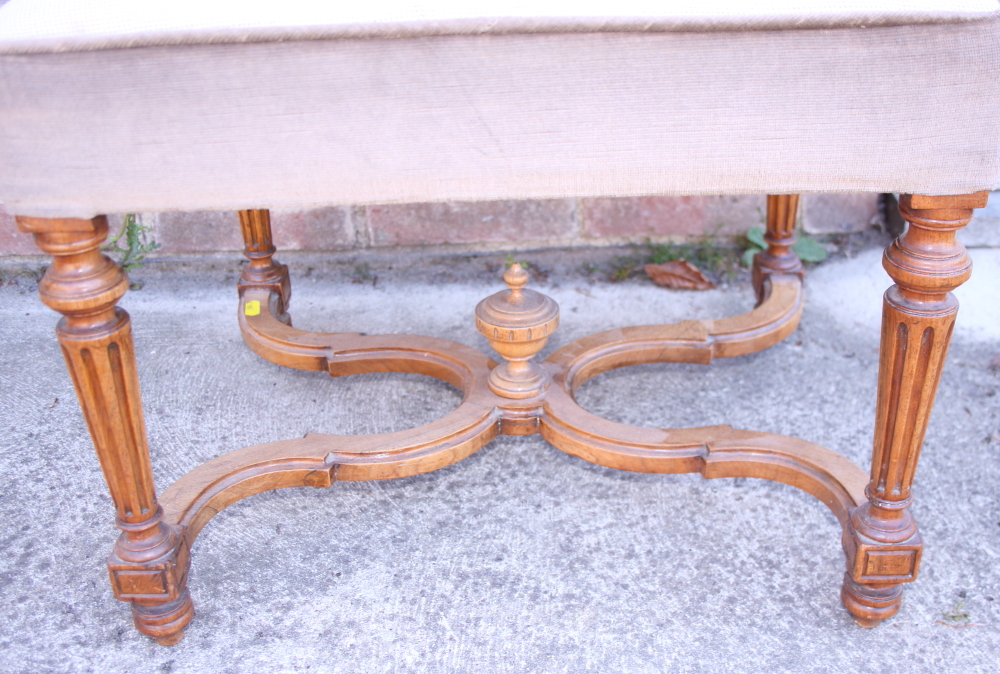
882,544
149,564
262,271
780,235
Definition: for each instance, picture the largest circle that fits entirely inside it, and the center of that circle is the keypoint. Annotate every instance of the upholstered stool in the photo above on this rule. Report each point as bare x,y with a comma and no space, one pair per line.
112,106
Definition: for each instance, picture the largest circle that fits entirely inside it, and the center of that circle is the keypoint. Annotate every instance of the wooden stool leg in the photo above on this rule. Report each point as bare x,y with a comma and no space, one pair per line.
881,541
149,564
263,271
780,235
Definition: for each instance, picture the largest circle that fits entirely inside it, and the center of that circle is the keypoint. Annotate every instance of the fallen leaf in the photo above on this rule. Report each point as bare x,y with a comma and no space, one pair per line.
995,363
678,274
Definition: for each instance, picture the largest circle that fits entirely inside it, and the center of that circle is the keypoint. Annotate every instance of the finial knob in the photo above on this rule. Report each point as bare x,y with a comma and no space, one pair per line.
515,277
517,322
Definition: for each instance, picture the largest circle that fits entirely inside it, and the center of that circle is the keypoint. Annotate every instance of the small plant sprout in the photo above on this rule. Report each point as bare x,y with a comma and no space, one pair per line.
131,244
807,248
509,259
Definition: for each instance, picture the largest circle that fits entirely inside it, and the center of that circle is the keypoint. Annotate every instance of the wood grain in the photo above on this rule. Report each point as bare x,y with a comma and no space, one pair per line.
149,564
687,341
882,544
319,460
517,322
150,560
778,258
713,451
262,271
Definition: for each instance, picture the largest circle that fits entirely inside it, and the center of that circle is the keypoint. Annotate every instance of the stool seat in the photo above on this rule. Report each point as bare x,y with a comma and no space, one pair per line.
114,106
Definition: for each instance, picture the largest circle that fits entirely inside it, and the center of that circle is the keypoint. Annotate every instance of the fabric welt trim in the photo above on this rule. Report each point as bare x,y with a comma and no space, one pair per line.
479,26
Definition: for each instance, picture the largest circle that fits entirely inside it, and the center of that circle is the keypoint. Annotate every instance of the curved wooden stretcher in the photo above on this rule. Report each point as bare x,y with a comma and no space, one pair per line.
516,396
154,107
319,460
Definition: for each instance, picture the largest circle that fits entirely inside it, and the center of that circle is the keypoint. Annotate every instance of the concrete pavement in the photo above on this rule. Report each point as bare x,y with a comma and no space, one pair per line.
519,558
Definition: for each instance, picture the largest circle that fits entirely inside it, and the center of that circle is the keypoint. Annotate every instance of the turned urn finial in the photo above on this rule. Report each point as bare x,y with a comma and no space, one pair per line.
517,322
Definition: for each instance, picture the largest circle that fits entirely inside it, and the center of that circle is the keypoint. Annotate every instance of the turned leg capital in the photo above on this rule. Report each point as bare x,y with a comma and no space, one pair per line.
927,262
82,283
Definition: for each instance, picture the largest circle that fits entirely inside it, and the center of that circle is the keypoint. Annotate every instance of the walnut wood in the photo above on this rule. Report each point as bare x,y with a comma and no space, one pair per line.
319,460
517,322
713,451
342,353
150,561
882,544
262,271
685,342
149,564
782,210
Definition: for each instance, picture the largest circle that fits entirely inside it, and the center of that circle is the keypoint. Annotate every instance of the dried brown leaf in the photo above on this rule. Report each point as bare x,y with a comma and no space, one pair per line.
678,274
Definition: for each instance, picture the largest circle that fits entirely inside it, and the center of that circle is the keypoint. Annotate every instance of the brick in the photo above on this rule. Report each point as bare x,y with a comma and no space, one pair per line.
213,231
638,217
837,213
469,222
315,229
13,242
192,231
734,214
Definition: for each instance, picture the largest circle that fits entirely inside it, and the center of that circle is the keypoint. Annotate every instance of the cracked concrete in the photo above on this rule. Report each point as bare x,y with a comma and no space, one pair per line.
519,558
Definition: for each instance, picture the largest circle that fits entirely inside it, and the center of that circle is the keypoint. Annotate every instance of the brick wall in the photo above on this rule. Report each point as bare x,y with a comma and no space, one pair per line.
488,225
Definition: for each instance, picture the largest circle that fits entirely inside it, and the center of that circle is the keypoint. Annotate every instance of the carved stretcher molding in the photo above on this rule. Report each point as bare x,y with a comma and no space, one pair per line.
151,558
452,105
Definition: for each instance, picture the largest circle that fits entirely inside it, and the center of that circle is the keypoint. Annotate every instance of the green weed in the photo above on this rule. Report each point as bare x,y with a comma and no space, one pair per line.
509,259
364,274
137,244
622,269
807,248
957,614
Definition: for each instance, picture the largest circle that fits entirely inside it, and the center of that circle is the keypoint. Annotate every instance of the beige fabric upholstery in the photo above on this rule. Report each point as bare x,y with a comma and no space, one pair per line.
222,125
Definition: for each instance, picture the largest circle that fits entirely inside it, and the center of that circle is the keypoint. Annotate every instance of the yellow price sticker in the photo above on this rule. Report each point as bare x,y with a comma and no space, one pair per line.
251,308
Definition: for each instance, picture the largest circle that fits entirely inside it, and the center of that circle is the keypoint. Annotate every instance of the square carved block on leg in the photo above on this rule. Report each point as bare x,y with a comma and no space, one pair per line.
899,564
160,580
872,561
872,588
